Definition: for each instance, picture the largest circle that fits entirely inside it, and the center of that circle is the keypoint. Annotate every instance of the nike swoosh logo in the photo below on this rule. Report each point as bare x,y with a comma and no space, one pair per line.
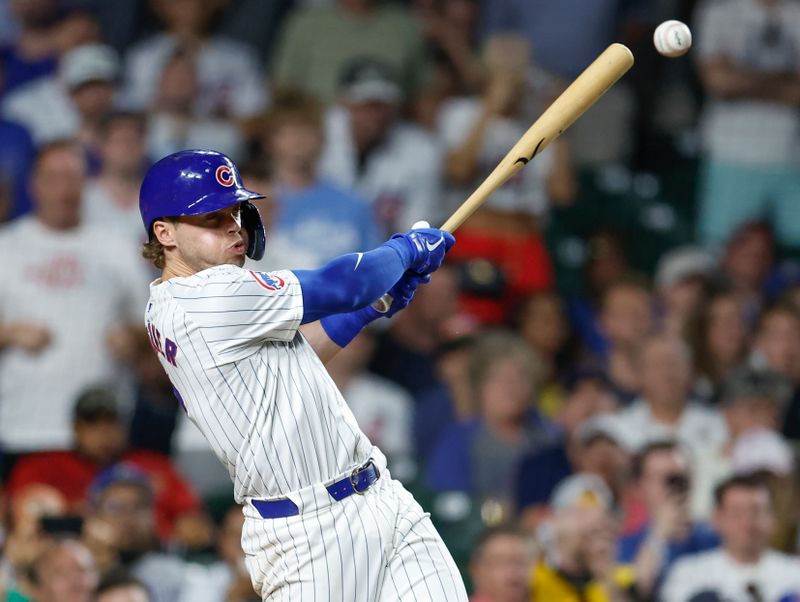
431,247
360,257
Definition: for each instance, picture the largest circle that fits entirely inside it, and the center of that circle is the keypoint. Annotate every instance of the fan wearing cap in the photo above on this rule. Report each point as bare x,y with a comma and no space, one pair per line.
578,544
682,282
72,103
743,567
100,440
393,164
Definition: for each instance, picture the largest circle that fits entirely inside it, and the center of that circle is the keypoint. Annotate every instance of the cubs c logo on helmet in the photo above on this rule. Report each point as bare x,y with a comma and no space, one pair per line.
271,282
224,175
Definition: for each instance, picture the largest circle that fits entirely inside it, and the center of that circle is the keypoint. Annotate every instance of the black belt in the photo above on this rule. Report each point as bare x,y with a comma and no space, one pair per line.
358,481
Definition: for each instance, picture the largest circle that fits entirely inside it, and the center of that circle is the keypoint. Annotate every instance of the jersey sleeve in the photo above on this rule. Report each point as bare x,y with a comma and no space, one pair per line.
236,310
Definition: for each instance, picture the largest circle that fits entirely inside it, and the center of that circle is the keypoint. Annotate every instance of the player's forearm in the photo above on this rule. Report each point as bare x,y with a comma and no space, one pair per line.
351,282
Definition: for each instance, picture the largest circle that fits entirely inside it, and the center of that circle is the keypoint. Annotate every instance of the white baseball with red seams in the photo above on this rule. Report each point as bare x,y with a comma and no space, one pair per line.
672,38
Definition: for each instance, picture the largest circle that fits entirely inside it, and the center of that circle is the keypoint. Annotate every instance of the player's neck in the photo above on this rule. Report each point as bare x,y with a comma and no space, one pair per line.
176,268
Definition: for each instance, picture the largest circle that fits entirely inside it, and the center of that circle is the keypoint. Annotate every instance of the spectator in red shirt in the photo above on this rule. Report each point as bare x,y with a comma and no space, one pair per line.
100,440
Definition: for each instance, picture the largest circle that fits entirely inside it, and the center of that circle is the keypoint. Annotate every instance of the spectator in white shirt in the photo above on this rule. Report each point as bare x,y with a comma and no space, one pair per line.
71,103
71,312
229,78
744,569
175,119
395,165
112,197
664,410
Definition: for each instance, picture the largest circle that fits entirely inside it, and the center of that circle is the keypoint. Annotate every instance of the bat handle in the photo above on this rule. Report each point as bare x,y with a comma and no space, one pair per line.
383,304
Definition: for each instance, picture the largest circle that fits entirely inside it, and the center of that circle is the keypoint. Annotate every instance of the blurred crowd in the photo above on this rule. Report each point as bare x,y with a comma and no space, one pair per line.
597,397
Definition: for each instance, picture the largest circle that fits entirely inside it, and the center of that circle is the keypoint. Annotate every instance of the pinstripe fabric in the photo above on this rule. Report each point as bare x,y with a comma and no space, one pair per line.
251,383
229,342
379,546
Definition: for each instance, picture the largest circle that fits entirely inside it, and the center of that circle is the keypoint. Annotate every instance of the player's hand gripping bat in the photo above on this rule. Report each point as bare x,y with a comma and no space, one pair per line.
582,93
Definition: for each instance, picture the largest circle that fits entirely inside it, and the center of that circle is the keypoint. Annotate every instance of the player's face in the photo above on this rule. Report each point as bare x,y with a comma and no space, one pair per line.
211,239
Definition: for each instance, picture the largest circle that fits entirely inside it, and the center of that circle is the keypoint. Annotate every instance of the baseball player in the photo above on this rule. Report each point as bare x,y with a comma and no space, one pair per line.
245,351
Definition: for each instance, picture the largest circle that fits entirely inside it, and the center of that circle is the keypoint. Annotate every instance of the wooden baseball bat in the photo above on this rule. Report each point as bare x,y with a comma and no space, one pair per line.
581,94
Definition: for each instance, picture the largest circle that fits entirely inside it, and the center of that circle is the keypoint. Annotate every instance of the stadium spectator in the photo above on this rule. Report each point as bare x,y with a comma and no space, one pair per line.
450,29
601,136
504,233
577,547
499,566
73,313
591,446
748,55
744,568
383,409
319,41
776,346
313,220
405,351
751,400
174,120
111,198
45,32
120,530
72,103
747,261
229,79
393,164
64,572
542,321
718,336
449,399
625,319
481,456
765,453
661,473
99,441
683,279
664,409
121,586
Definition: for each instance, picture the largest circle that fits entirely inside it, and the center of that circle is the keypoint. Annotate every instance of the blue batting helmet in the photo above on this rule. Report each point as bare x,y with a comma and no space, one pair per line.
193,182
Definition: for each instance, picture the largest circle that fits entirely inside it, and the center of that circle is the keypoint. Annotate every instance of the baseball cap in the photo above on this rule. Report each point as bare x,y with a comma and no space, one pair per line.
685,262
366,79
604,426
119,474
94,403
582,490
89,63
762,450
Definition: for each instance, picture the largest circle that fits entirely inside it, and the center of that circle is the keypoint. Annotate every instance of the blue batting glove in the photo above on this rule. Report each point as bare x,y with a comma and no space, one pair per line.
429,246
403,291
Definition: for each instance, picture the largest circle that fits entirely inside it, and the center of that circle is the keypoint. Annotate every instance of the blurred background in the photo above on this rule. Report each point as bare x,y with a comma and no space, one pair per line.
597,397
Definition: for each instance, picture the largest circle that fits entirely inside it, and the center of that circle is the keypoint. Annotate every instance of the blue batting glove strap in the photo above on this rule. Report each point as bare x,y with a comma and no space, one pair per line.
429,247
403,292
343,328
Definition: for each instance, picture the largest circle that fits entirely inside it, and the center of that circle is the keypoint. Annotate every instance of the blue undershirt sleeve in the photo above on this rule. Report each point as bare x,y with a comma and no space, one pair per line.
352,281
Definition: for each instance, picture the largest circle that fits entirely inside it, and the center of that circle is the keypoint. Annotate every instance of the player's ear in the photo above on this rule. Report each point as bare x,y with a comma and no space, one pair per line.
164,232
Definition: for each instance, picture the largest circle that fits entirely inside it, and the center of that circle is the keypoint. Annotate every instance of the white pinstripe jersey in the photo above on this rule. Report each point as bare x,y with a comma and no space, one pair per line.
228,339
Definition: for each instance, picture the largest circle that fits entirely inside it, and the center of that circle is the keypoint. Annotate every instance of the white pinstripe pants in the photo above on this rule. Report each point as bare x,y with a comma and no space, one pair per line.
365,548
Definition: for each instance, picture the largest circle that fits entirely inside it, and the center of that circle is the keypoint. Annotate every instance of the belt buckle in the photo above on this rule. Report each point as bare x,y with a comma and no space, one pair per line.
354,478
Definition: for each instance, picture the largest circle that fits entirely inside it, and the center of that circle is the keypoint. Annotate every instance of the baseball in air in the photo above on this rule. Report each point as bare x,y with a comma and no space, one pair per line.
672,38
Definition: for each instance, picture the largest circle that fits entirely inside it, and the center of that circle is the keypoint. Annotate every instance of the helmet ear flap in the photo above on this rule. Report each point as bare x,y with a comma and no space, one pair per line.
251,222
